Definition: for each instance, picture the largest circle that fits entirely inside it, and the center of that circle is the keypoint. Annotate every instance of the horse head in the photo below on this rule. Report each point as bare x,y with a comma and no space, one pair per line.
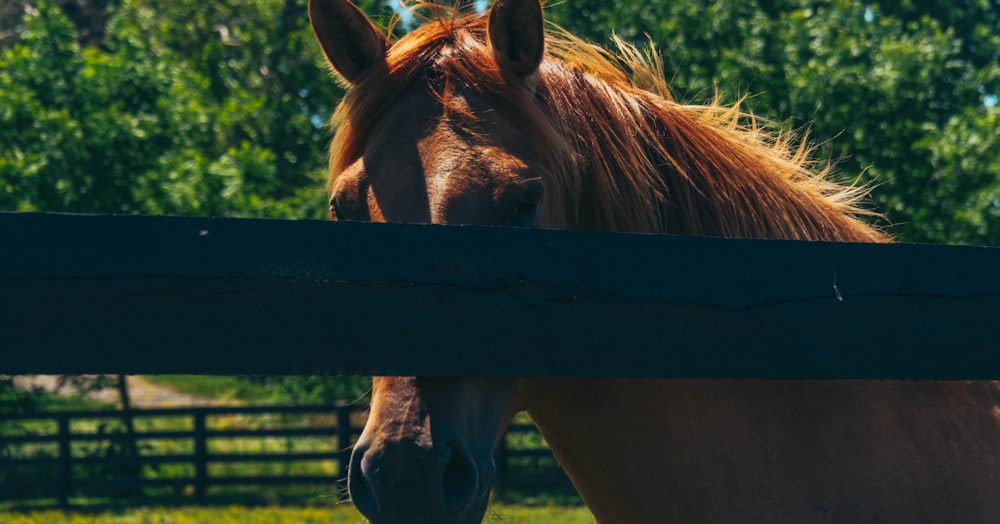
422,140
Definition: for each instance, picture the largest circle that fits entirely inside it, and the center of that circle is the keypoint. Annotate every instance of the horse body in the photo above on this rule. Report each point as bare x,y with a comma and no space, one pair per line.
488,120
776,451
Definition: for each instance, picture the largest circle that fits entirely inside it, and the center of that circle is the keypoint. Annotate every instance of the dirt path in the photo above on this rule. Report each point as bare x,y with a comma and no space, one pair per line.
142,392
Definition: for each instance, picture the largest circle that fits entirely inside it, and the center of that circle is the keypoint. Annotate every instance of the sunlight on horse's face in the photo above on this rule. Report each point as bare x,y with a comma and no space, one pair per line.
427,163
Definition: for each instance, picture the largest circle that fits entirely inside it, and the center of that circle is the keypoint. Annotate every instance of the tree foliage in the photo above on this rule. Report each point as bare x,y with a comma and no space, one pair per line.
184,108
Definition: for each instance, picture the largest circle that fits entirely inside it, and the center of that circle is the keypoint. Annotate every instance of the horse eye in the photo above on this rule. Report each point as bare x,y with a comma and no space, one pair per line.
526,209
529,202
530,199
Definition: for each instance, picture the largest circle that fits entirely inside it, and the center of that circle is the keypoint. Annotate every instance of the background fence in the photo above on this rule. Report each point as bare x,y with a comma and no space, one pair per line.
207,455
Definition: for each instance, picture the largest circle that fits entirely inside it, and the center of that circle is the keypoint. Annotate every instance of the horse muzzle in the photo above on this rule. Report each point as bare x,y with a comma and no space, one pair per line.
406,482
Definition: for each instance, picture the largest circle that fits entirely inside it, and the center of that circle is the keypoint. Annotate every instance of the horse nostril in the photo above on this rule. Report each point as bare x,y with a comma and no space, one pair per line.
358,485
460,479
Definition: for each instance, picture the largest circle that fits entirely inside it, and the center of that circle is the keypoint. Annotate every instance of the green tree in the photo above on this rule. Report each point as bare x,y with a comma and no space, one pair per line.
194,109
902,88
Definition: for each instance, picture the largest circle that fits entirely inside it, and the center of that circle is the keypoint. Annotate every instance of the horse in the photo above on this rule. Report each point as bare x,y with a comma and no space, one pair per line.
495,119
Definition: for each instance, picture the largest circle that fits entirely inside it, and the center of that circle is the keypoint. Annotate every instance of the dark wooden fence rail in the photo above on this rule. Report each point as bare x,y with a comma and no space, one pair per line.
103,294
43,458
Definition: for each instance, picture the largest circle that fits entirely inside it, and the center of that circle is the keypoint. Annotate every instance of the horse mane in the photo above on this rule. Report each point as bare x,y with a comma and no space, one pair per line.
619,153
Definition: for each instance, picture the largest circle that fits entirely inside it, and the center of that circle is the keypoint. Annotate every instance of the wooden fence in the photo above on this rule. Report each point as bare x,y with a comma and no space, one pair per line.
187,455
103,294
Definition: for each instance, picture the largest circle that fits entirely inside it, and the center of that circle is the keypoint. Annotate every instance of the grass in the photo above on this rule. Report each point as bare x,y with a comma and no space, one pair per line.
72,403
342,514
226,388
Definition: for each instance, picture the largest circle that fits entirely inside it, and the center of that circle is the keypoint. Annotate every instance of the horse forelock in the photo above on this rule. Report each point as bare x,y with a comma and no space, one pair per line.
617,152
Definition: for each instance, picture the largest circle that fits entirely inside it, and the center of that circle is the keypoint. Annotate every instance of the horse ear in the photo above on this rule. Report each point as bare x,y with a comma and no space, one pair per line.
350,42
517,35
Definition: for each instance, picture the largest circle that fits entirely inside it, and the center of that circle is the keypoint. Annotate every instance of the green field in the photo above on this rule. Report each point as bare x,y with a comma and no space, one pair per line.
242,515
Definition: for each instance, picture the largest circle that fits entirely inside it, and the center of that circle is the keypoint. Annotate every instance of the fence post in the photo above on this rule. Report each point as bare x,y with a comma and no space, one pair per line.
200,456
344,433
65,461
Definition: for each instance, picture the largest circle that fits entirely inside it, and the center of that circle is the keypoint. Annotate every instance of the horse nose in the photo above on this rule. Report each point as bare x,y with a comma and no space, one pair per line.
404,482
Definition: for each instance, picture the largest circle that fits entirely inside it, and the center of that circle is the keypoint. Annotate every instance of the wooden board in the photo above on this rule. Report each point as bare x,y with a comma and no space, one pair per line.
131,294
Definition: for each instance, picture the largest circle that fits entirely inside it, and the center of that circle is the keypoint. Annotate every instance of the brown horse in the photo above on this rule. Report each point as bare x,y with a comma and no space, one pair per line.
493,120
